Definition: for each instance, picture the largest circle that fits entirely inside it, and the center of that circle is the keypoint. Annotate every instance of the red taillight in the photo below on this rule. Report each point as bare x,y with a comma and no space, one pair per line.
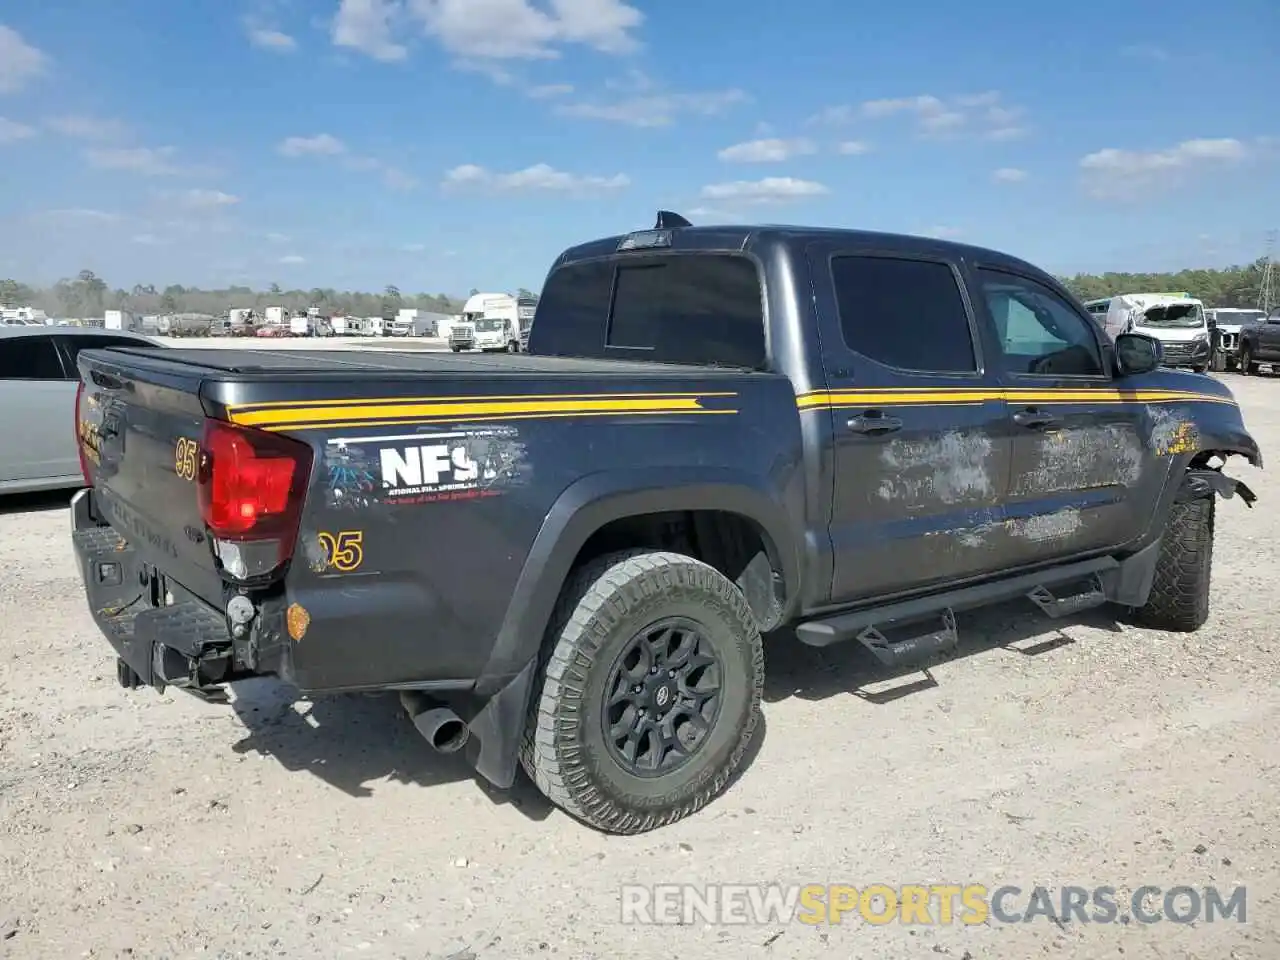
80,439
251,484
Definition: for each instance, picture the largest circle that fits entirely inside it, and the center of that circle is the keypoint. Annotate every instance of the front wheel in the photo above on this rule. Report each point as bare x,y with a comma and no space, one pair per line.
650,693
1247,364
1179,598
456,349
513,346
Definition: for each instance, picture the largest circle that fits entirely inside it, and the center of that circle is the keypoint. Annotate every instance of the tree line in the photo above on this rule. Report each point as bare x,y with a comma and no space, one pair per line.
88,295
1238,286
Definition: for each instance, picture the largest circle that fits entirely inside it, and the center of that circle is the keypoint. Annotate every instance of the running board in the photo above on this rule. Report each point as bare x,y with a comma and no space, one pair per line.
868,625
1056,607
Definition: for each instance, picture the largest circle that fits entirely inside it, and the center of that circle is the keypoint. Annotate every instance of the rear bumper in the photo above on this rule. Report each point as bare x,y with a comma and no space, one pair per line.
163,633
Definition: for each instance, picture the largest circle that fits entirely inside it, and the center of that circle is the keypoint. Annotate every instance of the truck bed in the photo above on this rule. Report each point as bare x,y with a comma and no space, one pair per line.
380,363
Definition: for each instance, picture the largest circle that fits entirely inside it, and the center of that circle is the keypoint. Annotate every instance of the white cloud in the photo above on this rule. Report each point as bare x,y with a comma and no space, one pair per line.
714,215
539,177
366,26
1115,173
269,39
81,214
20,62
148,161
766,151
490,30
292,259
11,131
768,190
207,199
516,29
985,114
1009,175
86,128
656,110
322,144
854,148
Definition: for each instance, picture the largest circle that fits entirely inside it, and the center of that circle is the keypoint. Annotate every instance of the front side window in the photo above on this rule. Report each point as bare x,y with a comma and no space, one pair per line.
1039,332
906,314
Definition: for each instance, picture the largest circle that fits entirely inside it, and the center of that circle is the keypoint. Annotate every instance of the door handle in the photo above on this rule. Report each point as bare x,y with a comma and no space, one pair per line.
1033,418
874,422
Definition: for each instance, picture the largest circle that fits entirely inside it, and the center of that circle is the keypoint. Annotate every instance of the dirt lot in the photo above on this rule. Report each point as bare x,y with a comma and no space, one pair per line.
157,826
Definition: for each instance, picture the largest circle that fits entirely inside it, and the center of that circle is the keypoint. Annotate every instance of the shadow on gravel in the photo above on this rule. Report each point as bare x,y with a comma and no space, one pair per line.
793,669
352,741
36,502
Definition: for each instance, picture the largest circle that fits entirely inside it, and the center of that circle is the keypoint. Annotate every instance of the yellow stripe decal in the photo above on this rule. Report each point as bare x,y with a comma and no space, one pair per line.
823,399
346,413
307,404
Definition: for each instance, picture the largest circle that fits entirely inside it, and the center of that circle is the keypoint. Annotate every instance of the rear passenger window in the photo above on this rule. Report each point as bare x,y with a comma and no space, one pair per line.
687,308
30,358
907,314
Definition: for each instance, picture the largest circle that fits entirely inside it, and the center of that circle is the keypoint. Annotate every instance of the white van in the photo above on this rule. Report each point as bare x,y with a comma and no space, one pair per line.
1177,320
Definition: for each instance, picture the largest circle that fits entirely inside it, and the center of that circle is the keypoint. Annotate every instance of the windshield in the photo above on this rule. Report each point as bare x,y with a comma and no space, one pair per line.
488,326
1234,317
1181,315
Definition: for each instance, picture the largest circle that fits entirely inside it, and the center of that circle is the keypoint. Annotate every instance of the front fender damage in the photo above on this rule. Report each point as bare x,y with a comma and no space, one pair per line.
1205,481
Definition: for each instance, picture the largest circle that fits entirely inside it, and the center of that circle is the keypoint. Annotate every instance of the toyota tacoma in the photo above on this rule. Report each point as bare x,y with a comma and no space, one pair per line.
566,560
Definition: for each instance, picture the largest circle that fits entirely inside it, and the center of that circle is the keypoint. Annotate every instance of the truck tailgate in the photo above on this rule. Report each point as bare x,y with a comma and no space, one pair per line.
139,427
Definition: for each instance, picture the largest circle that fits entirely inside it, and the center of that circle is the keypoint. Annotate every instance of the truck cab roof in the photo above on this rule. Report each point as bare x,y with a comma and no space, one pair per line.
757,238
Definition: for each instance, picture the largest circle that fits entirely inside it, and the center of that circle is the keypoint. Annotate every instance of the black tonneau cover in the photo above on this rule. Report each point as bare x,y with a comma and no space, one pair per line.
374,360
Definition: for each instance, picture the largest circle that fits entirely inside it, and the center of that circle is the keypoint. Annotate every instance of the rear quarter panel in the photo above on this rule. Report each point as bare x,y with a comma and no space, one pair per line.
422,510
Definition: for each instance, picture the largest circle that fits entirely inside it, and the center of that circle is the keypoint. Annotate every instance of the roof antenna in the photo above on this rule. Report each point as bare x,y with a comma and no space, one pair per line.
668,220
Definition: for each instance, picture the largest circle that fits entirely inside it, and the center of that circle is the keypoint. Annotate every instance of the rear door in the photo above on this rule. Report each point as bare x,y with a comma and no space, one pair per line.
37,426
1082,471
920,437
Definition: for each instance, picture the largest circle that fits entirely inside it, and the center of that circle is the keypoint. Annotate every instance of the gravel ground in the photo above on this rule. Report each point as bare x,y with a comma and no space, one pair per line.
142,825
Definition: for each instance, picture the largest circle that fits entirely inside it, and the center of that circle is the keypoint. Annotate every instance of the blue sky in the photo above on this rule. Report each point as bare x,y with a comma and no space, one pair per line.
442,145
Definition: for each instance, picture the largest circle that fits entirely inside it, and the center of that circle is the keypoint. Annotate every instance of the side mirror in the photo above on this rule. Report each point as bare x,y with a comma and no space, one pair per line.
1137,353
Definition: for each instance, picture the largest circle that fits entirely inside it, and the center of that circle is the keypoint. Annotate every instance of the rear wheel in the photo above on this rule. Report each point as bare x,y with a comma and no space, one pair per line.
650,693
1179,597
513,346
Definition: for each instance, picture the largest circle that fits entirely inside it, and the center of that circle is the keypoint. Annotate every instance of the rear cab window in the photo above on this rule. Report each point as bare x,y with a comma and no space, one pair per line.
689,308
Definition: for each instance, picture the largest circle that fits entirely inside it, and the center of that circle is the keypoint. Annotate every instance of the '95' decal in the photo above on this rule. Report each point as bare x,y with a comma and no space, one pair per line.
186,458
343,551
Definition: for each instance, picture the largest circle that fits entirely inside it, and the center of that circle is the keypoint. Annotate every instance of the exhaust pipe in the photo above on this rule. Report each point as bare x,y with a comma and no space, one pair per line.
440,726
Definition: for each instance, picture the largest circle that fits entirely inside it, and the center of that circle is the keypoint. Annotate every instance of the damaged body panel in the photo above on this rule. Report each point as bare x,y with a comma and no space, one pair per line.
850,430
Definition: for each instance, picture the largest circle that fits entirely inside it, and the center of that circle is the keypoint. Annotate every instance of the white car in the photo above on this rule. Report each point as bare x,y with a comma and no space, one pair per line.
38,377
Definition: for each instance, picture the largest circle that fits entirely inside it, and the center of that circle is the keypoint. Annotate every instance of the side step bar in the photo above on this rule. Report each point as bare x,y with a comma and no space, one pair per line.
868,626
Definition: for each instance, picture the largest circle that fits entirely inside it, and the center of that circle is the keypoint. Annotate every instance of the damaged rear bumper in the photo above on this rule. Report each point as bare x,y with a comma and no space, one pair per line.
162,633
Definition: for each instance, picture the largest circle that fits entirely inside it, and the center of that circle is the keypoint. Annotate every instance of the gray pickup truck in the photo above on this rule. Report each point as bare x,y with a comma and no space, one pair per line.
573,559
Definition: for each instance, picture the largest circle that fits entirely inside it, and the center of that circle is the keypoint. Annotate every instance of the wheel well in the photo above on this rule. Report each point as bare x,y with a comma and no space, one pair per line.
733,544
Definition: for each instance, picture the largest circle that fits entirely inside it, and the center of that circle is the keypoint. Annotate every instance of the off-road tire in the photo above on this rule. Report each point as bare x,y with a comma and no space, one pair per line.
1179,599
1248,365
604,605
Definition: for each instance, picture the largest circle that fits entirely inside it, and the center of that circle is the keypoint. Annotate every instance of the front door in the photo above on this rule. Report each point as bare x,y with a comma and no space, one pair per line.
1082,467
920,447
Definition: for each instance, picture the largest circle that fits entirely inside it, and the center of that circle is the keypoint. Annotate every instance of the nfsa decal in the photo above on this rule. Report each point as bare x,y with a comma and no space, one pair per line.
186,458
444,467
424,467
343,551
